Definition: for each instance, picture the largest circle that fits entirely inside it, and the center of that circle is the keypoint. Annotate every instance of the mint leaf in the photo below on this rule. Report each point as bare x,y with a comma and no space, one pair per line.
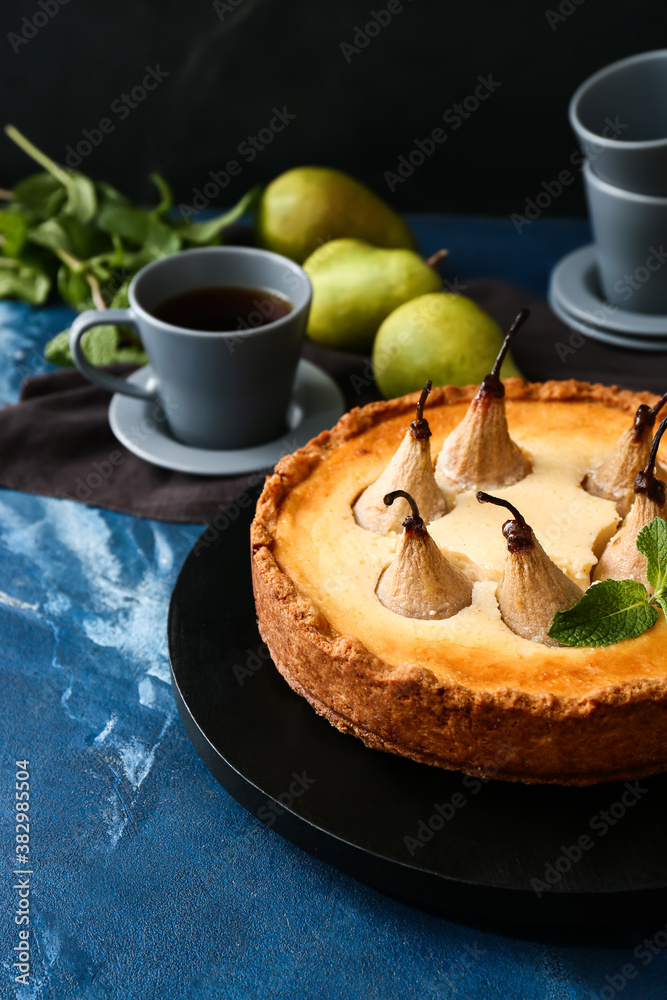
26,283
102,346
35,192
74,289
12,232
166,197
128,223
130,355
652,542
608,612
206,232
57,350
160,238
108,195
52,235
661,598
99,345
81,198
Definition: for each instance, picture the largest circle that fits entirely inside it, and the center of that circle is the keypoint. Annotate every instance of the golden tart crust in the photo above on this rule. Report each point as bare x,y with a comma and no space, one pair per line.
482,701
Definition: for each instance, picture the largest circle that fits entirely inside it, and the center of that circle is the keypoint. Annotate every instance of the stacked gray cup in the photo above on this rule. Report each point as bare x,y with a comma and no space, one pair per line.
620,117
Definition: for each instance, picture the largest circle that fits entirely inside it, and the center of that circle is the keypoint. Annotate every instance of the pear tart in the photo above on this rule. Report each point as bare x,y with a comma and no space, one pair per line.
415,617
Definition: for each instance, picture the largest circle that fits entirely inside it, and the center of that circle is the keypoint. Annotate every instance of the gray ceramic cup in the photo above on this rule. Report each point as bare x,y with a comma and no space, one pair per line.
620,118
218,390
630,232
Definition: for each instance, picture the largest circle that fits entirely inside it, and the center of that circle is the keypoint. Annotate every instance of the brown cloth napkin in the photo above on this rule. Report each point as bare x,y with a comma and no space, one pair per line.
57,442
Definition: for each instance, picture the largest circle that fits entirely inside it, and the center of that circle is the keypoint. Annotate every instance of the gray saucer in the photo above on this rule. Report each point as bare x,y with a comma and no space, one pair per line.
633,343
575,288
317,403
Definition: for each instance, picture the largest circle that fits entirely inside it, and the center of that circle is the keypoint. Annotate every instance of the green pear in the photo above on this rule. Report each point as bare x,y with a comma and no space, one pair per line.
307,206
442,336
356,286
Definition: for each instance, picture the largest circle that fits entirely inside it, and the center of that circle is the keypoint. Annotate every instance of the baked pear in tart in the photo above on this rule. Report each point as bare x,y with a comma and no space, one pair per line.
345,609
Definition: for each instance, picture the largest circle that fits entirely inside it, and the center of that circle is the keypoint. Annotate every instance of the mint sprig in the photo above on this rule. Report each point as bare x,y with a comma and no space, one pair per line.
61,230
612,610
652,542
609,611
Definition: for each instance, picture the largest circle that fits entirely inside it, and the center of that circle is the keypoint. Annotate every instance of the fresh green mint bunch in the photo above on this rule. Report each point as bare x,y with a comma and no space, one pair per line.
61,230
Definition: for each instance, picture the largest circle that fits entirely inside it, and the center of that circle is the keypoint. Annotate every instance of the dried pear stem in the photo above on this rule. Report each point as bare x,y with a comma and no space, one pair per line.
419,427
647,482
646,416
655,409
518,534
492,383
435,258
413,522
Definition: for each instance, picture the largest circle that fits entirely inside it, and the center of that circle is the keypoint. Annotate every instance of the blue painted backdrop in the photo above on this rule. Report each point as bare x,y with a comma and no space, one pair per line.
150,882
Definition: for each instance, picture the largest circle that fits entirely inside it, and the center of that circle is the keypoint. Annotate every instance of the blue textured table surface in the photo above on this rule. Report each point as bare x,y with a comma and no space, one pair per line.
149,881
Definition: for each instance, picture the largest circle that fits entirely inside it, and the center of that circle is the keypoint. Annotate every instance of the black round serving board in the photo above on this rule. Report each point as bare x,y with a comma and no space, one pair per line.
476,850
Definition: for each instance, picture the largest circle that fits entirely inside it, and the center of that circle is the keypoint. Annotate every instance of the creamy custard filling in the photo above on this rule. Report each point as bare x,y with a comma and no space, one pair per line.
337,564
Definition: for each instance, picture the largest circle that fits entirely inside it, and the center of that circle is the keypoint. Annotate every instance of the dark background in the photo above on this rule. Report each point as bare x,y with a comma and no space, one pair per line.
228,68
